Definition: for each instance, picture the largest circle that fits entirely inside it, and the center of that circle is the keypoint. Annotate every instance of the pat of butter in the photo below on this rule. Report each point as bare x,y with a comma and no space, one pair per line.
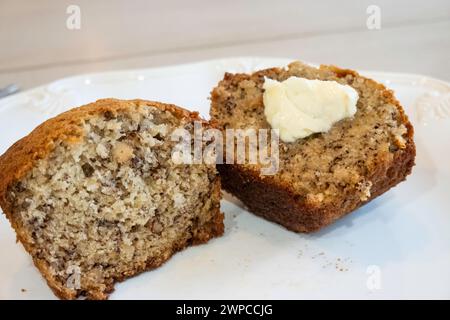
299,107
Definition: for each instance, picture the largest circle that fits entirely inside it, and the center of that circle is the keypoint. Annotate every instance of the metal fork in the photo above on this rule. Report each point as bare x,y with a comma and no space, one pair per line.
8,90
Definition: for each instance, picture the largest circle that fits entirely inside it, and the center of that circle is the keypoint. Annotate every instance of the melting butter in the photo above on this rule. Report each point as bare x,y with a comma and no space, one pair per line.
299,107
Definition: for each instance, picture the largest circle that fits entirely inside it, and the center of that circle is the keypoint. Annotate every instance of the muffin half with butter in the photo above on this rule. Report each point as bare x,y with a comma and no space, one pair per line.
338,139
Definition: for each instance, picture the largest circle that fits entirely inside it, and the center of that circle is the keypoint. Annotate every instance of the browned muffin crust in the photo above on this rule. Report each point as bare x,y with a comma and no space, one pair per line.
325,176
21,164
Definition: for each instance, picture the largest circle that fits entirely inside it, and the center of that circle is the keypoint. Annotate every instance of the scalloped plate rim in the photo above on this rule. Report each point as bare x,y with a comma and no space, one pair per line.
165,69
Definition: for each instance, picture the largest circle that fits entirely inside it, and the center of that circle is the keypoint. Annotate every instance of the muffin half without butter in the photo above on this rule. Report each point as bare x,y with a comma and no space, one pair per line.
342,140
95,197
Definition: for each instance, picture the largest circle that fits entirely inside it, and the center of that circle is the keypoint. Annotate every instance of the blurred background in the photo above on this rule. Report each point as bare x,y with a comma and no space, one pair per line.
41,41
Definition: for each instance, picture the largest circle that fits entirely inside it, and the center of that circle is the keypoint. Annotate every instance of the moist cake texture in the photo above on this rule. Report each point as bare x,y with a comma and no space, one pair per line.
324,176
94,196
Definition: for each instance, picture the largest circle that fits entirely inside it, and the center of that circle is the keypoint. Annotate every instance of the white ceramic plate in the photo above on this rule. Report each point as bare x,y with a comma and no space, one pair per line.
397,246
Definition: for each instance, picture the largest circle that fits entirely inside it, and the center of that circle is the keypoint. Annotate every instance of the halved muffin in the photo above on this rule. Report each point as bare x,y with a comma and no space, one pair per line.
326,175
95,197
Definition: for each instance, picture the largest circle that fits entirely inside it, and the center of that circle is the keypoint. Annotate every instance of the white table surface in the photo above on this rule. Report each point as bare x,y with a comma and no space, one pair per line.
36,47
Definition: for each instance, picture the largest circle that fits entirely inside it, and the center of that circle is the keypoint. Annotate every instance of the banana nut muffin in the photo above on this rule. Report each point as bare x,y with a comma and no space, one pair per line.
95,198
326,175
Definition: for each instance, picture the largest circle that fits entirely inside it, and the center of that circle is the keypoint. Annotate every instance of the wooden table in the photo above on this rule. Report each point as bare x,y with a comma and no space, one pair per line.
37,47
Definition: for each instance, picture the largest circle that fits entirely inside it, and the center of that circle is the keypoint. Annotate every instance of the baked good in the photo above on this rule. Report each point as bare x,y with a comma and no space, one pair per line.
95,197
325,175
